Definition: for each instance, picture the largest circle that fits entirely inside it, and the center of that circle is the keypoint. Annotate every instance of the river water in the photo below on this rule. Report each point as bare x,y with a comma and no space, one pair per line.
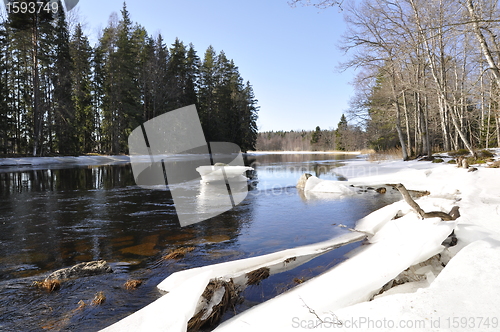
56,216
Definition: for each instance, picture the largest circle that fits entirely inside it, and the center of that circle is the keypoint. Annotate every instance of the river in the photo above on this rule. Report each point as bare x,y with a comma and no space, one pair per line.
55,216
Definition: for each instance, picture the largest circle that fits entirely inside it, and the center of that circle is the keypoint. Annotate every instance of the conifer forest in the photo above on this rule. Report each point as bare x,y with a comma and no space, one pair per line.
60,95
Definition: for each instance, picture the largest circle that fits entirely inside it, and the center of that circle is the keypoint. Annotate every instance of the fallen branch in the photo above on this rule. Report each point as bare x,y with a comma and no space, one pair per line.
439,214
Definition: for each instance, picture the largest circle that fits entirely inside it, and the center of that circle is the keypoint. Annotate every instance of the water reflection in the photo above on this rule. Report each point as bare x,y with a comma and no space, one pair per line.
80,178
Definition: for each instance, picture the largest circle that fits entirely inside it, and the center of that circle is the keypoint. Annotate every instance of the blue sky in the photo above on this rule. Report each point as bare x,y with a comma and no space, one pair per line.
288,54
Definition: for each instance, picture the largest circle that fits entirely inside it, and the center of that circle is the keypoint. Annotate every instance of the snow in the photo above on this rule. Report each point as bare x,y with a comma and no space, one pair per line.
303,152
37,162
315,185
461,296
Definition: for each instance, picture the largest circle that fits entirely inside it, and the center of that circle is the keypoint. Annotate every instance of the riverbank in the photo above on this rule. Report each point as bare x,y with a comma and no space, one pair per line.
451,287
310,152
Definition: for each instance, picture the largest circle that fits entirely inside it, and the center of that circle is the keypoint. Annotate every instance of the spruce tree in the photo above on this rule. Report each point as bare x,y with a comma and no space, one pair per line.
340,134
6,124
64,111
206,95
85,114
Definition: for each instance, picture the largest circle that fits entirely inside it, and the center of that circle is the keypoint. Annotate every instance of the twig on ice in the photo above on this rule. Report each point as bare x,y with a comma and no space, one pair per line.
335,321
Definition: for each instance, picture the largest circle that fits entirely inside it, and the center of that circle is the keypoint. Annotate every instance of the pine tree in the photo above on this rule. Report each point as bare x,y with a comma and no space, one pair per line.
176,74
85,114
206,95
160,79
121,107
249,115
340,133
64,111
6,123
32,27
192,76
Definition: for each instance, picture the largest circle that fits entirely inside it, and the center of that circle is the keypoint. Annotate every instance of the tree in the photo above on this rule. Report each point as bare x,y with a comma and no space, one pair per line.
316,135
60,95
33,28
64,111
121,45
6,114
207,86
340,133
85,114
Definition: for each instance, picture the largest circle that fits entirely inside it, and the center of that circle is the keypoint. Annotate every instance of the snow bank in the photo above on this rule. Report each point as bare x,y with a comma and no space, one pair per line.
399,244
62,161
304,152
463,297
315,185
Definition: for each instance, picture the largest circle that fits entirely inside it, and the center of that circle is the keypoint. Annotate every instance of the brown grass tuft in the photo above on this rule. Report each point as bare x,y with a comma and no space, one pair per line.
132,284
299,280
496,164
256,276
178,253
49,285
81,305
99,298
210,317
389,154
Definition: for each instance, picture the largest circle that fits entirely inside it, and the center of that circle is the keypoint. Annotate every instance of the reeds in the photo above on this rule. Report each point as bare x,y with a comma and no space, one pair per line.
49,285
178,253
210,316
256,276
132,284
389,154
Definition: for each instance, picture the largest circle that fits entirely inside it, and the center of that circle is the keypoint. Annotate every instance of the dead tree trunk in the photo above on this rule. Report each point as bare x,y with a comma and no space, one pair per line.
439,214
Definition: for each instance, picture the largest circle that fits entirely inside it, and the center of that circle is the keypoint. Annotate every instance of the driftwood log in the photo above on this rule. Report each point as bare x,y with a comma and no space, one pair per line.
439,214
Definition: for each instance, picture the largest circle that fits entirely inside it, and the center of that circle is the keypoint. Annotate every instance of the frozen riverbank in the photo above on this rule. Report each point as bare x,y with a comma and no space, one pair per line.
37,162
462,295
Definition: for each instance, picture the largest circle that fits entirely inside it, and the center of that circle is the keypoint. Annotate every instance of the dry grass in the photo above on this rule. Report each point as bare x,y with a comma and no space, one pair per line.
256,276
49,285
299,281
390,154
178,253
132,284
81,305
496,164
367,151
99,298
212,319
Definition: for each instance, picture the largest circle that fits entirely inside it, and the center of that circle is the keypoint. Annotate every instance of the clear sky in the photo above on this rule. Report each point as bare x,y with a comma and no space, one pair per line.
288,54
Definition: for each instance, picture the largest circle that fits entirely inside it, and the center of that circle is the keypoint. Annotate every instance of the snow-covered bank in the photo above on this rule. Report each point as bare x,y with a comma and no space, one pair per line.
304,152
70,161
464,289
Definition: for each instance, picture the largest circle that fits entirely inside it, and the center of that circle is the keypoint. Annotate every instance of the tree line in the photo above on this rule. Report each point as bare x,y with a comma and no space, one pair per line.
346,137
61,96
429,73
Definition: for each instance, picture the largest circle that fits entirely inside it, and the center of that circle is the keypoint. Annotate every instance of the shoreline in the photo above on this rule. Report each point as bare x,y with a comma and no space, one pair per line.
305,152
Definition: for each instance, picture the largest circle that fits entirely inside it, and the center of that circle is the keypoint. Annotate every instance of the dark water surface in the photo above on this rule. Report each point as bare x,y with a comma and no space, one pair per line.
53,217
